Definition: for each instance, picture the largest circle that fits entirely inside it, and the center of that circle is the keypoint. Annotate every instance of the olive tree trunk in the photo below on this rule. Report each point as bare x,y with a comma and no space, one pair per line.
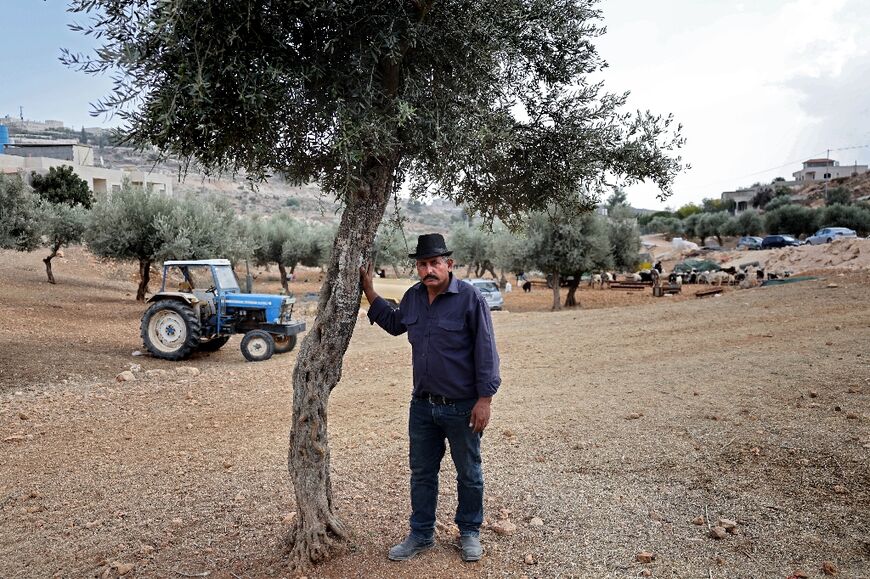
283,273
317,531
144,279
557,303
570,299
47,262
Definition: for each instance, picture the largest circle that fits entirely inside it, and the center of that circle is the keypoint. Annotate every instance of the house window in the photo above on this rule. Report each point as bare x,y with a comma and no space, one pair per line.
827,176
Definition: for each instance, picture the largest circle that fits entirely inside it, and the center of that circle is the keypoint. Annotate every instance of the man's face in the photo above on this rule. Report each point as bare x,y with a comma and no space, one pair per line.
434,271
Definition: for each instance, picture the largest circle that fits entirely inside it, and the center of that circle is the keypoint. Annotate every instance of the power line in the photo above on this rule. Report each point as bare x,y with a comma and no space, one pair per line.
790,163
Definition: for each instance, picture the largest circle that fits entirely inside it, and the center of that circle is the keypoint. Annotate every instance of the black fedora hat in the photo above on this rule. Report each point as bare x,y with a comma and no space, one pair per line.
430,245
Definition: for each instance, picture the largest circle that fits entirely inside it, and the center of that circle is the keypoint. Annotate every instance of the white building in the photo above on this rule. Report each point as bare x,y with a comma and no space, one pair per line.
39,157
827,169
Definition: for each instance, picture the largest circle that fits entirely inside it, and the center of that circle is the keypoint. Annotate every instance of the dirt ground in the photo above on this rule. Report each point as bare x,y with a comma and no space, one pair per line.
618,425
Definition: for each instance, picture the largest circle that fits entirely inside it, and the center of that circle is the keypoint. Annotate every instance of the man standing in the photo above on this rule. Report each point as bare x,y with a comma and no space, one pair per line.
455,376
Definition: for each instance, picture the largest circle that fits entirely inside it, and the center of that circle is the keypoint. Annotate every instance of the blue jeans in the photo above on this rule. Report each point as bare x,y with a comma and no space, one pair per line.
428,426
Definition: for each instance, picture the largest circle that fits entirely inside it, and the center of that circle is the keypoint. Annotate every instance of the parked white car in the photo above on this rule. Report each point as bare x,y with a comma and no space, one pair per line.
489,290
829,234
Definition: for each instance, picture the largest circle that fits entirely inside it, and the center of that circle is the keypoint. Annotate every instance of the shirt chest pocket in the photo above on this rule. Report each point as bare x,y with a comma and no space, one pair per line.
451,334
411,323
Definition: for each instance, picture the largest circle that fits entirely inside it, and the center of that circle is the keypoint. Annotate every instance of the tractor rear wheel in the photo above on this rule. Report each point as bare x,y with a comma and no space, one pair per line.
257,346
170,330
214,344
284,344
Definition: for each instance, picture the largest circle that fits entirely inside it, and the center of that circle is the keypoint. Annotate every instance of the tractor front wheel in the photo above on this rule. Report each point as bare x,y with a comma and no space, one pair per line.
170,330
284,344
257,346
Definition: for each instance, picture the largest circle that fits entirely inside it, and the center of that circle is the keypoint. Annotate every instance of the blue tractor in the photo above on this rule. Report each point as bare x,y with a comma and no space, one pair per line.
199,306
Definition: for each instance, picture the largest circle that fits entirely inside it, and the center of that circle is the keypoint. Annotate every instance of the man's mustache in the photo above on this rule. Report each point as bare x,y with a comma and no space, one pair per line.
432,277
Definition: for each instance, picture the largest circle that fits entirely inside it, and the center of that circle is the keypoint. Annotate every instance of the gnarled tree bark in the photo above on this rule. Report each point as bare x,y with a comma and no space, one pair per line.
318,532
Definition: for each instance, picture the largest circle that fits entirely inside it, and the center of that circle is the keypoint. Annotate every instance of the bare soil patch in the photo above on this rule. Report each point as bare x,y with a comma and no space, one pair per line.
617,427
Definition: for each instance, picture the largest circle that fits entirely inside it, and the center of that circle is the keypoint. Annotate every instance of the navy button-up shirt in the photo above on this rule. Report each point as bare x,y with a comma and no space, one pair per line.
452,342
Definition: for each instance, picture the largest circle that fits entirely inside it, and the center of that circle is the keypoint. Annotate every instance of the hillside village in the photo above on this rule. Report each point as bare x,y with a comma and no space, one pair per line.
49,143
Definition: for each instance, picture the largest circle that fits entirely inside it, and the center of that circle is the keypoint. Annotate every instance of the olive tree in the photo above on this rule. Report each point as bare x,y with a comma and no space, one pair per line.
62,185
20,215
791,219
61,225
747,223
572,244
391,248
124,225
494,108
851,216
473,247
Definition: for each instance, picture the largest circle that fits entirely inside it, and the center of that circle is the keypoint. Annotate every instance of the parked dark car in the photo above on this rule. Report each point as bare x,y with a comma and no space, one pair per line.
749,242
772,241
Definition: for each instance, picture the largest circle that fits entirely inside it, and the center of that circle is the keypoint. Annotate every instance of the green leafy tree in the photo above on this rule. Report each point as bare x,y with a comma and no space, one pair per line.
777,202
510,252
378,92
791,219
20,215
125,226
624,237
305,246
687,210
62,225
571,245
746,223
276,234
712,225
62,185
473,247
838,196
391,249
713,205
668,226
691,229
851,216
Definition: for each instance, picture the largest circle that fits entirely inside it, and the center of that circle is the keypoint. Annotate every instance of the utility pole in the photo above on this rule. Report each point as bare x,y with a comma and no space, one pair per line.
21,112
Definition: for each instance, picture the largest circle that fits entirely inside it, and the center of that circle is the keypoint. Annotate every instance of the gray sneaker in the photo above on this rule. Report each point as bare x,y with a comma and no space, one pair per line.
470,547
408,548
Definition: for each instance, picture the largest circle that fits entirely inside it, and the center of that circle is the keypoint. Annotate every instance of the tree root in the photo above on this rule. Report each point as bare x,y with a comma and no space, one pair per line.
307,545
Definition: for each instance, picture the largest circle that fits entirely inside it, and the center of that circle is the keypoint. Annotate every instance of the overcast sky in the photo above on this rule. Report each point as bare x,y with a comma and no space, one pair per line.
758,86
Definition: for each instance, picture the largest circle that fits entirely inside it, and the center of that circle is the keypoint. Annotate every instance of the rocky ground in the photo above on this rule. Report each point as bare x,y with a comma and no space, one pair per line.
625,433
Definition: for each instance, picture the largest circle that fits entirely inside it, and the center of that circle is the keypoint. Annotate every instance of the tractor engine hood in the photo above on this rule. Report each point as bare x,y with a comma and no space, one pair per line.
272,304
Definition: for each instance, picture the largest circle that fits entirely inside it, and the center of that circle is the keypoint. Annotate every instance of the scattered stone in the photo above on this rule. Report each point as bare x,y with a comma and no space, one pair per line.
146,550
504,513
829,343
177,521
720,561
530,559
14,438
755,450
838,327
135,368
828,568
840,489
832,285
654,516
155,373
503,527
125,376
726,524
851,416
92,524
23,416
699,520
813,394
536,522
799,574
228,464
646,572
187,371
122,568
718,533
633,416
240,498
645,557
